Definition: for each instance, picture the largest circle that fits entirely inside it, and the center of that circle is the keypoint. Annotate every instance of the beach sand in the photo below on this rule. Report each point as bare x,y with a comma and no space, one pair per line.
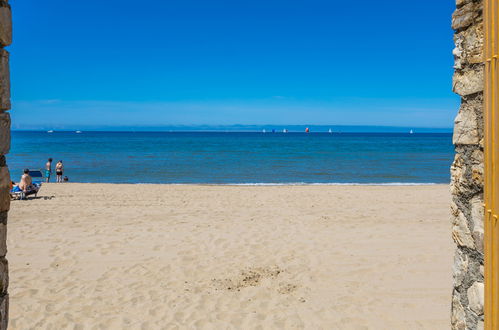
85,256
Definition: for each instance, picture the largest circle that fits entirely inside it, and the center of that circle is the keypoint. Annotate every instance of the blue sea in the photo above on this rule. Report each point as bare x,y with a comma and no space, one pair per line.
238,158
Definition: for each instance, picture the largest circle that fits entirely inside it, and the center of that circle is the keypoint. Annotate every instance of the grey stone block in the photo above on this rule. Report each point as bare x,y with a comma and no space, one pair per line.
4,133
4,276
477,219
468,81
466,128
460,3
4,312
460,231
460,267
4,189
3,240
4,80
475,298
458,317
469,46
5,24
465,16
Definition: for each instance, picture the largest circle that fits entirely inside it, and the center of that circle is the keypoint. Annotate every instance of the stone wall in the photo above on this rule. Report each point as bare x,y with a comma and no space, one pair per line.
467,169
5,40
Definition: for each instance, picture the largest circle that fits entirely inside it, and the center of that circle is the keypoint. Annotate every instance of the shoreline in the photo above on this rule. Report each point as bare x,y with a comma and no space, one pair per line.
264,184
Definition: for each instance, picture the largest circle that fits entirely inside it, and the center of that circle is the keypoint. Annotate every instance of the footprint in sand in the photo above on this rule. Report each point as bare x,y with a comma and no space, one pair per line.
287,288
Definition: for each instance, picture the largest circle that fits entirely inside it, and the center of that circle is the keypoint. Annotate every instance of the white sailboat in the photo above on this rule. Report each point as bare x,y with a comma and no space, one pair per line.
411,132
330,131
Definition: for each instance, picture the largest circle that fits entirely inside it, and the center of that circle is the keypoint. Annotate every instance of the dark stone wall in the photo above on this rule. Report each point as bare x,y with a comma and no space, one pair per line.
5,40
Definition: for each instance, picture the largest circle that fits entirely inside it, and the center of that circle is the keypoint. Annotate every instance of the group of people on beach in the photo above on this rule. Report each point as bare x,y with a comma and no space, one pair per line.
26,182
59,171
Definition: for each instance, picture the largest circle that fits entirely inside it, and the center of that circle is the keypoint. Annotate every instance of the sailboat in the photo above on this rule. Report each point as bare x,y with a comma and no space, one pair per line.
330,131
285,130
411,132
264,131
307,130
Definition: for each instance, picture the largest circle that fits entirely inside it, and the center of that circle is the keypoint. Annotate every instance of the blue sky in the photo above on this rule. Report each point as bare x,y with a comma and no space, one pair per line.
78,64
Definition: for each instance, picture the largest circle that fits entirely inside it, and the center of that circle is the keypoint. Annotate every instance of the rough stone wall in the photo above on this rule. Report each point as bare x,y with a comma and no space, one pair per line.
5,40
467,169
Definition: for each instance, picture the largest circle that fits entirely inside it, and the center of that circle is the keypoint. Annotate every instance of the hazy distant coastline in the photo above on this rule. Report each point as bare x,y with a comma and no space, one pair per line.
244,128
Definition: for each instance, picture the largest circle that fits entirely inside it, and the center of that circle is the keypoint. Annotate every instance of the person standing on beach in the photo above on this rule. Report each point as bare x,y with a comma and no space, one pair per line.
59,170
48,170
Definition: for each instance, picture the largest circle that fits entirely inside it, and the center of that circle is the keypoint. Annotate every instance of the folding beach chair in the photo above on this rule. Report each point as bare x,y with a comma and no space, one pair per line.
37,180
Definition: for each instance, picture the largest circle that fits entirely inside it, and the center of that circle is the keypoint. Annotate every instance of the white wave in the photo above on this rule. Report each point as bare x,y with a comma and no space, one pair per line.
282,183
329,184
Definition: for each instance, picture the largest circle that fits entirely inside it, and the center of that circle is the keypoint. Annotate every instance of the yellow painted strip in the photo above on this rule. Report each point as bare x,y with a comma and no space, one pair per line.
487,212
491,159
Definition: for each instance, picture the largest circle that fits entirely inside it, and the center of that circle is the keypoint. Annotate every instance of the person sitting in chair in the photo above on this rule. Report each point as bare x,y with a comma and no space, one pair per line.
26,182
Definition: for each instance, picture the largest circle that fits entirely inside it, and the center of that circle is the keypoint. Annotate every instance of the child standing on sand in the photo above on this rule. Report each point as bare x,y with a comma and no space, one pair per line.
59,170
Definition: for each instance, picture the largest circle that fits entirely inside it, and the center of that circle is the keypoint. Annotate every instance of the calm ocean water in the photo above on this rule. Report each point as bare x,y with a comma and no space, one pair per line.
237,158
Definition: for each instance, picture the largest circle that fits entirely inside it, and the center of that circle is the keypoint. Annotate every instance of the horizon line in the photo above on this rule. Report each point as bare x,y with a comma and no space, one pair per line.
197,127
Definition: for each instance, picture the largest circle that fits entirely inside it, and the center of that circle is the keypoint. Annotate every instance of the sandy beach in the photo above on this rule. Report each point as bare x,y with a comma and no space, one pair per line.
101,256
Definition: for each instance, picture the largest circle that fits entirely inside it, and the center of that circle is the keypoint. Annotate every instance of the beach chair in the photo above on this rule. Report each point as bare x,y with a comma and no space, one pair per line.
37,181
